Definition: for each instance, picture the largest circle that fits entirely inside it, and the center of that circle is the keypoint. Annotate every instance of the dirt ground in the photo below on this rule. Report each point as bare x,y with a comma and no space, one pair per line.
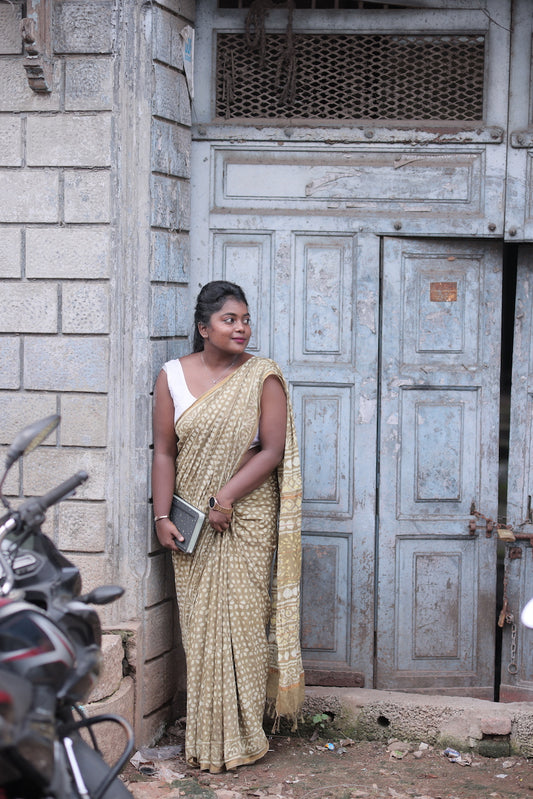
298,767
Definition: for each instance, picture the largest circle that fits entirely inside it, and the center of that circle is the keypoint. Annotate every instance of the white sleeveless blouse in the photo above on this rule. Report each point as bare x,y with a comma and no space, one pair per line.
179,390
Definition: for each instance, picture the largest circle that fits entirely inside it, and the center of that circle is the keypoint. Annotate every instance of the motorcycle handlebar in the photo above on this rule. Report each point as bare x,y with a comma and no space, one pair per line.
63,490
32,510
30,514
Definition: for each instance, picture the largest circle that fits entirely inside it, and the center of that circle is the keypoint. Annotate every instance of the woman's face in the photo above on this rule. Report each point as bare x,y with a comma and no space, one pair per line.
229,328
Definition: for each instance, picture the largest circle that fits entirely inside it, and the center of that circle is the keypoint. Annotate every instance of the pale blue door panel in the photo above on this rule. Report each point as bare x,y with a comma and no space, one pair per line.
517,644
438,433
246,259
326,447
326,599
437,599
313,294
438,462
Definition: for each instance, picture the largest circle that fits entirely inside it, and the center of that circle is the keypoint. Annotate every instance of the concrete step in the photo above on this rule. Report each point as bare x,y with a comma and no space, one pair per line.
492,729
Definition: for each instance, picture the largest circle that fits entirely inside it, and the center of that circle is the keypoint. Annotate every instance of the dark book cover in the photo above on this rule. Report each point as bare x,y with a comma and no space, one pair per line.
188,520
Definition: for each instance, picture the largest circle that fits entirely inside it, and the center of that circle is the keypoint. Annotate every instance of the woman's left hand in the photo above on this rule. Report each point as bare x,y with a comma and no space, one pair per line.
219,521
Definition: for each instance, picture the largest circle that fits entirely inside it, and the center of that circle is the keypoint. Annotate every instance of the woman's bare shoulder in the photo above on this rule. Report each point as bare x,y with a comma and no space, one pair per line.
191,357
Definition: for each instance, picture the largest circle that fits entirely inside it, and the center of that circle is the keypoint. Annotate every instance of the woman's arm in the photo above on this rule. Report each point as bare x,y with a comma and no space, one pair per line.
254,472
164,462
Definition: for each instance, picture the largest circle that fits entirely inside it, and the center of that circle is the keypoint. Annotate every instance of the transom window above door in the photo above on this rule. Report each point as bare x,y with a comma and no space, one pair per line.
331,76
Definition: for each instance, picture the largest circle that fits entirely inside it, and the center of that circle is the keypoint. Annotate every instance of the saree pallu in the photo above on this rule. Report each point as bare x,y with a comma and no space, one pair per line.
238,637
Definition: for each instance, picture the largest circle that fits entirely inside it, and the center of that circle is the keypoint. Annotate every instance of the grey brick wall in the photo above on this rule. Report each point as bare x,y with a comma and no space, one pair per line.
94,273
56,256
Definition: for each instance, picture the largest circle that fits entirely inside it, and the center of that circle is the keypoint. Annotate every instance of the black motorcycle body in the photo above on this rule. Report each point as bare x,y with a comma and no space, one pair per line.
50,655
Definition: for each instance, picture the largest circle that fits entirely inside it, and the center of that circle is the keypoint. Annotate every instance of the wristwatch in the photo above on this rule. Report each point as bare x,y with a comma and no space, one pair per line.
213,504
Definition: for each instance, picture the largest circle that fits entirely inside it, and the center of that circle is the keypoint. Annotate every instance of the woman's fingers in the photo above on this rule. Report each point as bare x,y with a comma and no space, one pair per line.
167,534
218,521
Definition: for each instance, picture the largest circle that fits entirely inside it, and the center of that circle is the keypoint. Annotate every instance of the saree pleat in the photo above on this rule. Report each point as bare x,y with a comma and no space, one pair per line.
223,589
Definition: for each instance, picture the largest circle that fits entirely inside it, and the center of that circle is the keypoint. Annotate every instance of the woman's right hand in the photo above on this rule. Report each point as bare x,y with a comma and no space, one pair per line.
167,533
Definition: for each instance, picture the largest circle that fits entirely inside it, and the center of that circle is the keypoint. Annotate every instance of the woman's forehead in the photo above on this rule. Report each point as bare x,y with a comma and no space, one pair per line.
235,306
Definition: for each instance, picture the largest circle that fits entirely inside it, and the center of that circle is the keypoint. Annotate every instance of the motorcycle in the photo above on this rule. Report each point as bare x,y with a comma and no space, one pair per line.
50,655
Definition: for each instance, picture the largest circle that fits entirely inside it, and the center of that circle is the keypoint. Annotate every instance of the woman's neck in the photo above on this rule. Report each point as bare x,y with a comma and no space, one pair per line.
217,368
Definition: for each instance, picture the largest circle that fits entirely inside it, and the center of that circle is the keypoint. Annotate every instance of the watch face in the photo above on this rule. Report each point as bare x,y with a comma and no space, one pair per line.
212,501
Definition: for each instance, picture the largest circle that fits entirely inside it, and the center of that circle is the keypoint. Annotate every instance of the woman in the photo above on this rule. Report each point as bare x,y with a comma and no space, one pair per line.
224,441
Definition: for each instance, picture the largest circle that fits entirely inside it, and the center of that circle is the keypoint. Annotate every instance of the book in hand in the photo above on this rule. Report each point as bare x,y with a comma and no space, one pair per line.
188,520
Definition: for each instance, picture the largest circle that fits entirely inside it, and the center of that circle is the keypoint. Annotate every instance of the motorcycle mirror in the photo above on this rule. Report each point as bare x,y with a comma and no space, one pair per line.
24,442
31,437
102,595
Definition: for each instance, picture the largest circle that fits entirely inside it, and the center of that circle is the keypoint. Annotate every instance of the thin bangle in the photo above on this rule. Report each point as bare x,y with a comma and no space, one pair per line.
158,518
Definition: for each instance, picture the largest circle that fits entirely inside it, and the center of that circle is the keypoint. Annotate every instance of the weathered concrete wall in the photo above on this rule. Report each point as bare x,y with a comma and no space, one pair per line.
164,671
94,219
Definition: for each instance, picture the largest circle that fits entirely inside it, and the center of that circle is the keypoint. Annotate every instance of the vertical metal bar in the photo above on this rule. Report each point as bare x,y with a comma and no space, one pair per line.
76,773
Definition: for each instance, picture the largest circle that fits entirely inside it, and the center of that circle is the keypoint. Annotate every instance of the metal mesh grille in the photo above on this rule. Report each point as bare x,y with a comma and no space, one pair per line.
386,77
350,4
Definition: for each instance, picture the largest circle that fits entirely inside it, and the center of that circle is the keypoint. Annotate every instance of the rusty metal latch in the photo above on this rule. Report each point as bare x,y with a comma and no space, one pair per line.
511,534
507,617
490,524
524,537
504,531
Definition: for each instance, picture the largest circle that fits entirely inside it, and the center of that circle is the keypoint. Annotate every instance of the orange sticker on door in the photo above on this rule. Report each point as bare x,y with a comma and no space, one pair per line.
443,292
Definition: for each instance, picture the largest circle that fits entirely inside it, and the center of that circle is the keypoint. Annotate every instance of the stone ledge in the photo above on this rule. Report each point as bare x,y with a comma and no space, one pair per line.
467,724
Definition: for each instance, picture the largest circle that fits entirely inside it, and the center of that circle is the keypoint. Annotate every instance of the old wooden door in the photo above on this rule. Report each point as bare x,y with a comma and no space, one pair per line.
303,277
438,462
390,345
517,640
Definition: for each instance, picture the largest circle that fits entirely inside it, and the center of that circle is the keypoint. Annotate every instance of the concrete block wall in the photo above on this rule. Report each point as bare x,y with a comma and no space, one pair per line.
94,274
57,254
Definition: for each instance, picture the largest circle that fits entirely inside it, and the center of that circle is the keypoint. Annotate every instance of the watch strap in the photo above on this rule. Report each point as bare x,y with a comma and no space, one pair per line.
214,505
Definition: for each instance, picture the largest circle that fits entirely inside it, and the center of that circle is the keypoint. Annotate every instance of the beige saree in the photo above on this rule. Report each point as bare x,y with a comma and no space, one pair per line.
236,637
